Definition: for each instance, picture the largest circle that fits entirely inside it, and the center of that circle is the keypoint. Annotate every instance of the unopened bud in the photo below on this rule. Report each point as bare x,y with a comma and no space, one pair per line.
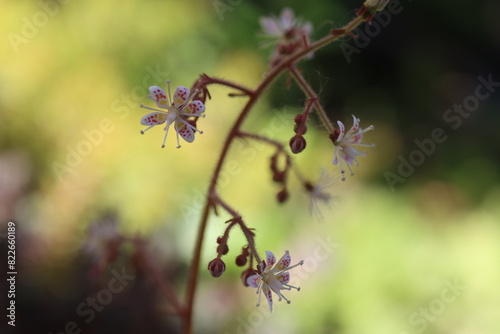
241,260
377,5
297,144
222,249
279,177
298,118
282,195
216,267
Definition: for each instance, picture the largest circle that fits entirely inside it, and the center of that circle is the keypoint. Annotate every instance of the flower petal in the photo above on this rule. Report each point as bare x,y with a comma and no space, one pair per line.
284,262
270,26
181,95
194,107
355,125
357,138
286,18
270,260
158,95
308,29
184,130
269,296
254,280
154,118
284,278
342,131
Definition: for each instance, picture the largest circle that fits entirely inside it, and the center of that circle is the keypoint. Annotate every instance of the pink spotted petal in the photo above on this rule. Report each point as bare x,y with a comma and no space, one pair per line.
153,118
181,95
194,107
254,280
284,278
158,95
270,260
284,262
342,130
184,130
269,296
355,125
357,138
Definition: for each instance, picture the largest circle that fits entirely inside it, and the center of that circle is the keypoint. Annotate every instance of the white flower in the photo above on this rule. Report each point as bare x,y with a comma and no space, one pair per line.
177,112
286,26
318,193
344,145
274,278
287,33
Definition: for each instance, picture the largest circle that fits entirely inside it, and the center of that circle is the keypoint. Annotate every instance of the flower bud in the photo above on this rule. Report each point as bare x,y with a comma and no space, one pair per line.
377,5
282,195
297,144
216,267
279,177
298,118
222,249
241,260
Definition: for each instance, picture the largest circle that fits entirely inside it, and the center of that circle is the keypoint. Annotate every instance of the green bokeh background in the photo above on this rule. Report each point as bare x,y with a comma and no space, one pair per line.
84,67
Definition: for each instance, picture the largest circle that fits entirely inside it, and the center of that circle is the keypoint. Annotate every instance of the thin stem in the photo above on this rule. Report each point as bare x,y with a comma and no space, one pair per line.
313,98
245,90
264,139
246,231
253,97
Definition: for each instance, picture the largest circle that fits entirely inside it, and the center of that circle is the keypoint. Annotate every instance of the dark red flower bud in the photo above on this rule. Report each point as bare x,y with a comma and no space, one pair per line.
279,177
282,195
297,144
241,260
219,240
298,118
216,267
222,249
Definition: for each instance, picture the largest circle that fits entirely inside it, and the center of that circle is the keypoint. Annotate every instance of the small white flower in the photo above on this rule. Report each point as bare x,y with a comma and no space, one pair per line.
344,145
319,194
177,111
287,33
274,278
286,26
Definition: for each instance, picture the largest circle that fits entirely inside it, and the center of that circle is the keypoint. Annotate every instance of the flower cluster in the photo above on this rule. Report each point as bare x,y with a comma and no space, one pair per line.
178,110
271,277
291,38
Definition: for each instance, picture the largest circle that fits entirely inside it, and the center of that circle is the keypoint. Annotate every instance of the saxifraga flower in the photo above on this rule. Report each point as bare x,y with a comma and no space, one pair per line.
344,145
273,278
177,111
